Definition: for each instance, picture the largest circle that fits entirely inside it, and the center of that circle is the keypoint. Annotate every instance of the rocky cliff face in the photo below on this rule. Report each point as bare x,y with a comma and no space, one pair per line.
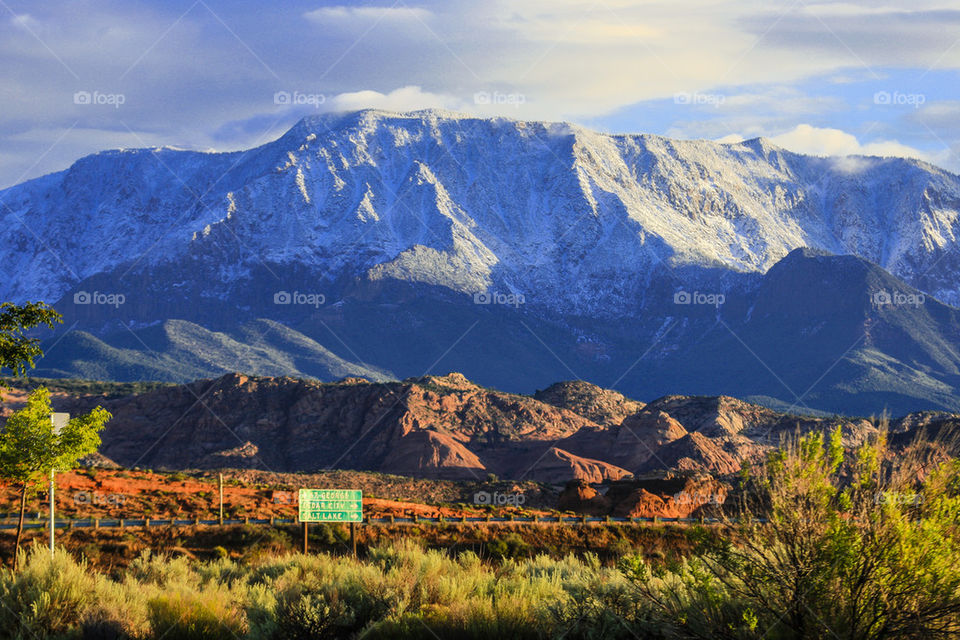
443,427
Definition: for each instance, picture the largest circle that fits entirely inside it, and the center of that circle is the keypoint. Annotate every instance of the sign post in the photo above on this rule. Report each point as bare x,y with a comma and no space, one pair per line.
59,421
331,505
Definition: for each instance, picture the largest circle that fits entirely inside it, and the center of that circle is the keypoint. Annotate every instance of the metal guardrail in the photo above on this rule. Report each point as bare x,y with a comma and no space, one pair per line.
123,523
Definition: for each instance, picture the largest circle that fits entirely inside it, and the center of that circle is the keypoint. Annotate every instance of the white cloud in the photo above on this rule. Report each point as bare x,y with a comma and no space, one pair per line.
844,146
409,98
808,139
340,15
732,138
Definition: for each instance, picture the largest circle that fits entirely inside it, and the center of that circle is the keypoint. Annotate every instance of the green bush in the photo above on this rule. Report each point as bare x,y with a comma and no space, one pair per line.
511,545
184,615
49,597
861,545
308,616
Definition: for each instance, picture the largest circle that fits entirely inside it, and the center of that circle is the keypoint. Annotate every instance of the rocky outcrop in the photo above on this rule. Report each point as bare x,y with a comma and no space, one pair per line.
642,435
436,427
681,497
446,427
578,496
603,406
676,496
559,466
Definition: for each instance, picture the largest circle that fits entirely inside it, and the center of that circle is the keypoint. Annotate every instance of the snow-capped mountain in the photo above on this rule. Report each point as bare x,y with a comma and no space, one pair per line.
575,220
390,245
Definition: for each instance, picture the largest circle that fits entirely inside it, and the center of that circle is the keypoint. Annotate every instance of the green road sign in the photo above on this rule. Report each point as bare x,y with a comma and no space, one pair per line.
331,505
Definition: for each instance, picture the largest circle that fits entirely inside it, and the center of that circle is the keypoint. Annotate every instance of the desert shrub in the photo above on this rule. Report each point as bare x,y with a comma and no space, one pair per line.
313,616
160,570
185,615
599,602
319,597
511,545
323,534
120,610
47,598
261,609
859,545
263,543
475,619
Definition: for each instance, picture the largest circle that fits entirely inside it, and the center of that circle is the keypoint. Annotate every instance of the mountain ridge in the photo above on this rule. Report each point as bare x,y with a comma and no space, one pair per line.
356,167
387,245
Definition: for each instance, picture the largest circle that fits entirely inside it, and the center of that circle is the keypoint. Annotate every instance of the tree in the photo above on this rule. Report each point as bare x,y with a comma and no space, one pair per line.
29,448
860,544
17,351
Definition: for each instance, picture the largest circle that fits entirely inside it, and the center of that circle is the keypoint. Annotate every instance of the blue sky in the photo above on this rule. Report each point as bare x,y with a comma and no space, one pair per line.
870,77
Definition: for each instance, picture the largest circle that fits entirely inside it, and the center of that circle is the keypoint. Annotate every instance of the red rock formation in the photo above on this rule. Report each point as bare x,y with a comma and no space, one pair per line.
445,427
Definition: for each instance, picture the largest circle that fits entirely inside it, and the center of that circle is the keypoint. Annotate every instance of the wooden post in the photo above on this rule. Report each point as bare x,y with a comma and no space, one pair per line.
305,547
221,499
353,538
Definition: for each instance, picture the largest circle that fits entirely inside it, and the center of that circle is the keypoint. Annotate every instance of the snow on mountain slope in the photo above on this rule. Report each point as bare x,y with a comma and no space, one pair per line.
575,220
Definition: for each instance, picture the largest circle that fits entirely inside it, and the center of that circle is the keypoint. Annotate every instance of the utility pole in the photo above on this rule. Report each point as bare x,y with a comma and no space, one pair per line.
221,499
59,421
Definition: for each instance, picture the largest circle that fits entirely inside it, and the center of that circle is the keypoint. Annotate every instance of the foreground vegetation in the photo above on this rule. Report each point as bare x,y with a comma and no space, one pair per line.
850,547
